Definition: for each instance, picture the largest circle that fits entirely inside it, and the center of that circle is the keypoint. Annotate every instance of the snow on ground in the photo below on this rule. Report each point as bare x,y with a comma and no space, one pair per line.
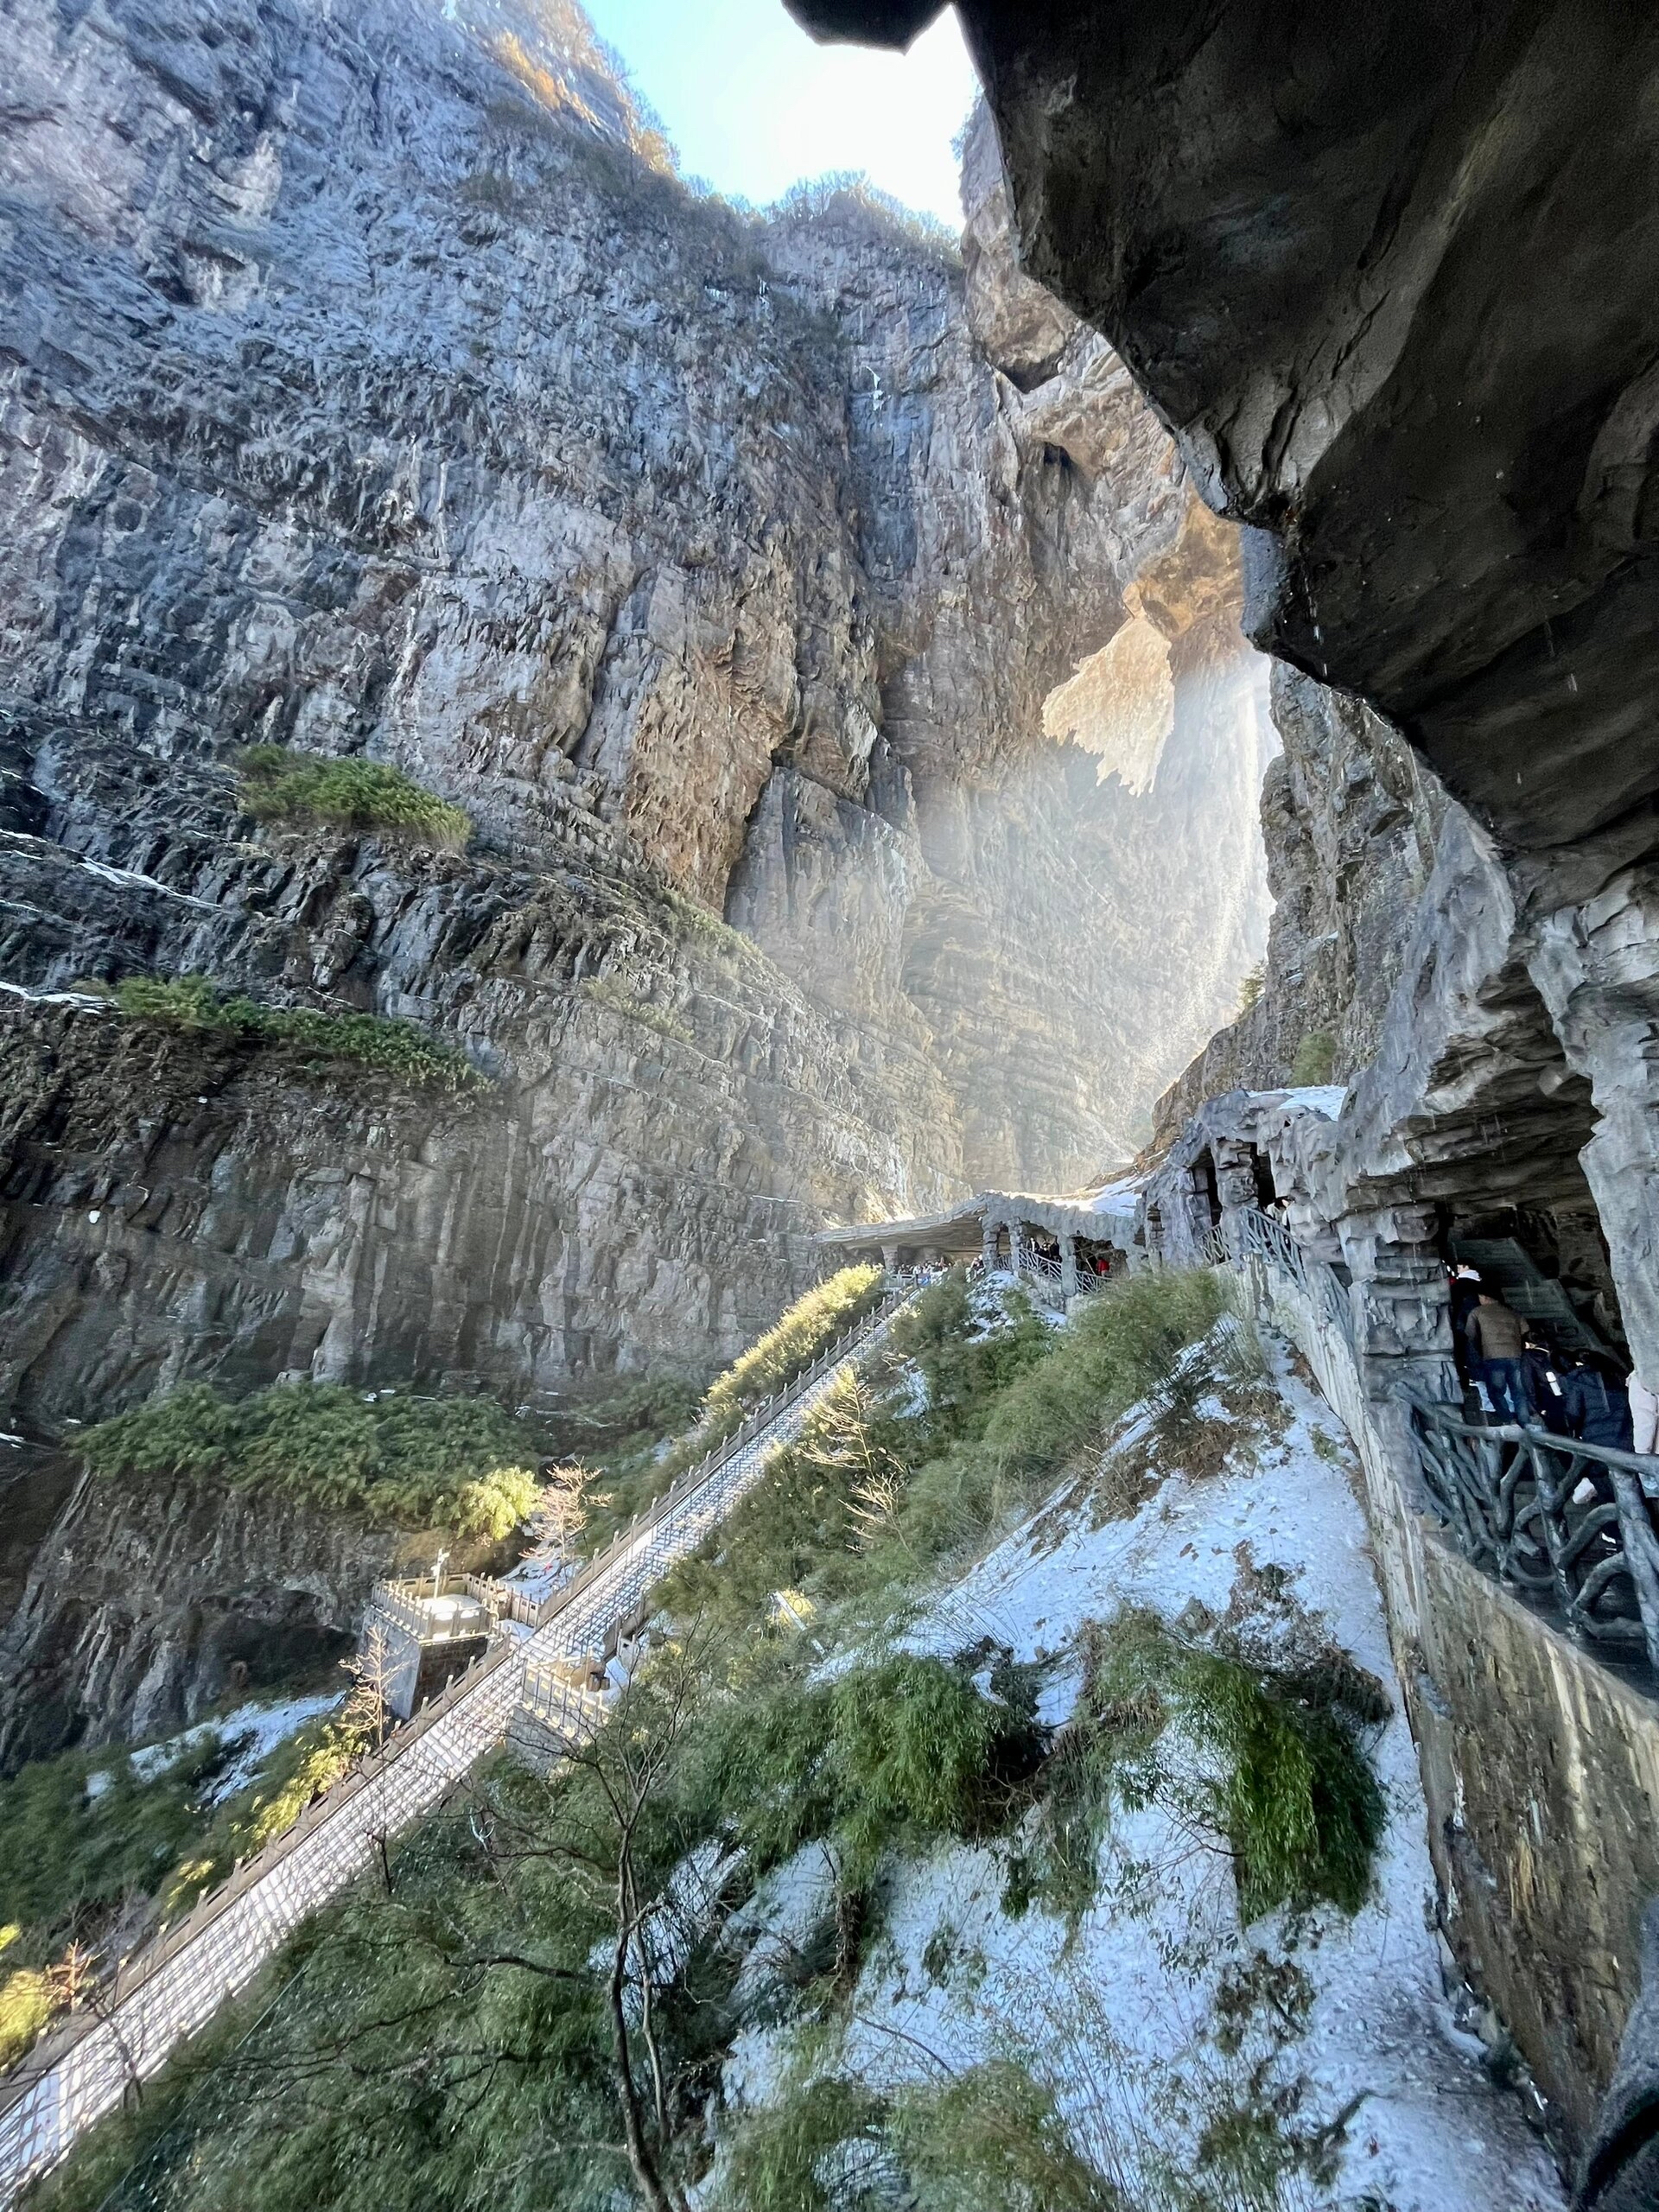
252,1732
539,1578
1120,2022
83,999
1318,1098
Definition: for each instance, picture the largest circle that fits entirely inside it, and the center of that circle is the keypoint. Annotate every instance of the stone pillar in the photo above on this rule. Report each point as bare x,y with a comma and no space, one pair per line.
990,1244
889,1258
1402,1305
1016,1244
1196,1224
1068,1263
1234,1186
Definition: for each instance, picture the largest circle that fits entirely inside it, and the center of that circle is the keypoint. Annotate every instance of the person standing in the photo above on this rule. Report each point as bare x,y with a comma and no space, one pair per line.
1541,1372
1597,1413
1497,1340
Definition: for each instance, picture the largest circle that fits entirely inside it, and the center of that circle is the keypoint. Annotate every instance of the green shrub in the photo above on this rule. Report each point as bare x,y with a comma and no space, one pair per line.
276,784
397,1463
810,2152
813,1323
1119,1348
967,1358
912,1749
66,1860
1298,1801
27,2001
809,1327
868,1498
697,922
618,1424
1293,1794
302,1768
372,1040
603,991
890,1756
993,2136
73,1866
1316,1058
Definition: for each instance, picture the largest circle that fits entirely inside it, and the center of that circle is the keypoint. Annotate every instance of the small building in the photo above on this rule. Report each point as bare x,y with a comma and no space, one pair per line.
417,1636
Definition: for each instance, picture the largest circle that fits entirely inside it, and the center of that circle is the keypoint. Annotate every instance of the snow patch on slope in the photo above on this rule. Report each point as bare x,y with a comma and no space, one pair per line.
1120,2021
251,1734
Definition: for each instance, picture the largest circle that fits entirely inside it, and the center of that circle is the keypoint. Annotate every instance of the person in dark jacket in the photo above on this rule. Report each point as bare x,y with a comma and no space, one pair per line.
1497,1341
1598,1411
1541,1372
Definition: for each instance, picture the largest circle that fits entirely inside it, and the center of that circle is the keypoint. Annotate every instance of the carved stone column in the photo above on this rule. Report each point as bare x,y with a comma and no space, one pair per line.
1595,970
1234,1186
1402,1304
1068,1263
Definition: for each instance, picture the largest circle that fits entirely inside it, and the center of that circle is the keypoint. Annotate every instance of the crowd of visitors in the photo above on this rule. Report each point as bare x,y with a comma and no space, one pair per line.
1518,1375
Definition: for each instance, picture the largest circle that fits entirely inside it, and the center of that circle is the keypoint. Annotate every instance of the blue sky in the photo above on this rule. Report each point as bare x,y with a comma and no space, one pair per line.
753,106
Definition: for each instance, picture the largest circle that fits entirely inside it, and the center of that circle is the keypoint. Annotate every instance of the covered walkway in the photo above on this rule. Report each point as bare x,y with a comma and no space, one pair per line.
1064,1244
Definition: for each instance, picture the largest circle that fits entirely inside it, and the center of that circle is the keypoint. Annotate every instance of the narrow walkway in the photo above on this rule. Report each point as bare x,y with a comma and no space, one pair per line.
170,1992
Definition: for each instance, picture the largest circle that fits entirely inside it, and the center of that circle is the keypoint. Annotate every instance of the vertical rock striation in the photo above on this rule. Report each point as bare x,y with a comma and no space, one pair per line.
370,385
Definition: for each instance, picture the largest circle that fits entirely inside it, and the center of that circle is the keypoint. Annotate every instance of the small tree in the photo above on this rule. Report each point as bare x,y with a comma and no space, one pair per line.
846,1437
1316,1058
559,1516
611,1825
365,1715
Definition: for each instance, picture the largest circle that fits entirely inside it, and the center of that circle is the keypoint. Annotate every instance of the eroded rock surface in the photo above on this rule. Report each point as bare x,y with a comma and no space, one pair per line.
145,1606
1393,287
1350,820
370,386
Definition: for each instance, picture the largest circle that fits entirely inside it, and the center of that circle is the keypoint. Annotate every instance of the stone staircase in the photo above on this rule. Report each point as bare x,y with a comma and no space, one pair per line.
171,1989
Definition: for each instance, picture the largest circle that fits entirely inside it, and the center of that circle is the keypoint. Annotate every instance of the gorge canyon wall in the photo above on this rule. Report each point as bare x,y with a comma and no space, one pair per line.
823,635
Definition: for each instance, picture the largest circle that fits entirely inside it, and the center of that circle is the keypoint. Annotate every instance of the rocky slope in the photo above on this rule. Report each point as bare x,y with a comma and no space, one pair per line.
408,406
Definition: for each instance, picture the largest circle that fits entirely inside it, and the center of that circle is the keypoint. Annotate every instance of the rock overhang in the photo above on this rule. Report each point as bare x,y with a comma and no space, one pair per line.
1393,286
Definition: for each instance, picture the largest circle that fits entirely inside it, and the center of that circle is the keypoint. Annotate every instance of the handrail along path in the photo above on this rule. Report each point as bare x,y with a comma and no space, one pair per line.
173,1988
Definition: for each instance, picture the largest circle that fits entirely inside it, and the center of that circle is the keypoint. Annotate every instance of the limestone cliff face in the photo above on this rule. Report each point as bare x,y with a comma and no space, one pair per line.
1073,733
145,1607
369,384
1351,821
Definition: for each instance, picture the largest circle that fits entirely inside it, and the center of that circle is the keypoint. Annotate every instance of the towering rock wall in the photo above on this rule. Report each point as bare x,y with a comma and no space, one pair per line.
370,385
1351,823
1402,320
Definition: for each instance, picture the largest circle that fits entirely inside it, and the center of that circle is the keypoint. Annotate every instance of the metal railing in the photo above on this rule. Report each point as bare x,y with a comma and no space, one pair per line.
1567,1522
1261,1236
171,1988
1048,1278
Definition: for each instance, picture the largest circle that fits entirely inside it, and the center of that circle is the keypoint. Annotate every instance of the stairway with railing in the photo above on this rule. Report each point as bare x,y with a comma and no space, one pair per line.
169,1990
